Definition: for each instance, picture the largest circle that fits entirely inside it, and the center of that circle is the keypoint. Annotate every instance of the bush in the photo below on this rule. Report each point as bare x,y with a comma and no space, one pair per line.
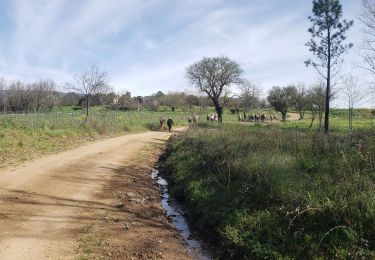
152,126
265,192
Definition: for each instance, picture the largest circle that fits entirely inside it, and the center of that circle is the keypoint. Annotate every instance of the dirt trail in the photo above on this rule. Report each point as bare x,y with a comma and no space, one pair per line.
96,201
293,116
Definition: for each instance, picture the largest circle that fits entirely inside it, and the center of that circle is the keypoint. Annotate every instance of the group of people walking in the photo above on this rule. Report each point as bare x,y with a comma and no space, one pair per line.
257,118
193,119
169,123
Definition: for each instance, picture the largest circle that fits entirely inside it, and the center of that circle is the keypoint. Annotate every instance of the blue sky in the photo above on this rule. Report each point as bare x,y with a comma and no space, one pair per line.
146,45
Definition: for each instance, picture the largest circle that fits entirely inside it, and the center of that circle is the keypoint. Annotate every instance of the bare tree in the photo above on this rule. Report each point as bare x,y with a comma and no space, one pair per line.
3,95
89,82
173,100
152,103
354,95
367,53
367,17
249,96
204,102
70,99
316,102
214,76
19,96
42,94
192,100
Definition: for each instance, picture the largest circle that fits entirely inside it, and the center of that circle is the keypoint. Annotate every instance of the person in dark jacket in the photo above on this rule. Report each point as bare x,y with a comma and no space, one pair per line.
169,124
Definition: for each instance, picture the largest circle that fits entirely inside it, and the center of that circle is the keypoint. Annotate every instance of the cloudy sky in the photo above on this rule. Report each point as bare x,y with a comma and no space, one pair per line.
145,45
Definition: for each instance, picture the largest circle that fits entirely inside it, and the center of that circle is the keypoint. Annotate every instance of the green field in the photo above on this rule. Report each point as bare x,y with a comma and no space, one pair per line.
25,136
362,119
28,136
67,117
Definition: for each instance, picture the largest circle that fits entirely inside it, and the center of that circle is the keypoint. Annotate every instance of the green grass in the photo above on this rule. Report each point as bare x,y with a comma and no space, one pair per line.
66,118
266,192
362,120
27,136
18,144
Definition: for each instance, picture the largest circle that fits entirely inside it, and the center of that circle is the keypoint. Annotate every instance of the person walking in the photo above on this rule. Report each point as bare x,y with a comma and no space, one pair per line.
161,121
190,121
170,124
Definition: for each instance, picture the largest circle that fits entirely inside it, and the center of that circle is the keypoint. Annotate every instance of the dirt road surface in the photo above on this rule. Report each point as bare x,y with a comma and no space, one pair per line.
94,202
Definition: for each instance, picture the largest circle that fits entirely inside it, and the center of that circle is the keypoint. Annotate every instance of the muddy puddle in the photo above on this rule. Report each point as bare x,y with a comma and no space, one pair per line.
176,212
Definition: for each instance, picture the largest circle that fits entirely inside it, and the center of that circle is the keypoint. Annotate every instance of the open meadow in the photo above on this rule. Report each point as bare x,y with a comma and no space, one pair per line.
28,135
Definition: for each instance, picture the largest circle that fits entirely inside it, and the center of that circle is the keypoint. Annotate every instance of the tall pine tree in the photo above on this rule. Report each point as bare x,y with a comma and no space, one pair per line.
328,32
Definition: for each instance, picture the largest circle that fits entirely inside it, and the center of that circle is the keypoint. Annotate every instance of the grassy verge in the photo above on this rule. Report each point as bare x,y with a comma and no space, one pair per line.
19,143
267,192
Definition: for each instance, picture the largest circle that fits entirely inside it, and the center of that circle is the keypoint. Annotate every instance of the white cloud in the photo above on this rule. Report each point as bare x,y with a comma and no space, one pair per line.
147,44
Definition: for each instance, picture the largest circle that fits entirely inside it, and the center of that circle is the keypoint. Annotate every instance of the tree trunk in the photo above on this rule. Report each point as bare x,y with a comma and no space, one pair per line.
320,119
350,119
312,118
219,110
326,114
87,107
283,114
301,115
328,88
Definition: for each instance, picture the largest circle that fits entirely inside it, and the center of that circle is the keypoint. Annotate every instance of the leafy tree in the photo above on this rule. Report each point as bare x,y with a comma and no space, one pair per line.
214,76
328,32
281,99
159,94
300,100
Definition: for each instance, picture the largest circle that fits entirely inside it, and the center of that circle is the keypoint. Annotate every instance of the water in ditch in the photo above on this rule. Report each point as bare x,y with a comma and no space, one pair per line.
175,211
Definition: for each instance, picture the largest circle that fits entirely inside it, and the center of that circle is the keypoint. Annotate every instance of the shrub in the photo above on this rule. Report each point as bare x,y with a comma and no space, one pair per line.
152,126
